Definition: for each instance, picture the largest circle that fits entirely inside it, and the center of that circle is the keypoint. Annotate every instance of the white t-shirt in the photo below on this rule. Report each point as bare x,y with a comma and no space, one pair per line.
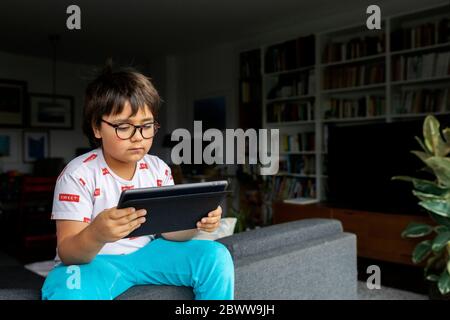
87,186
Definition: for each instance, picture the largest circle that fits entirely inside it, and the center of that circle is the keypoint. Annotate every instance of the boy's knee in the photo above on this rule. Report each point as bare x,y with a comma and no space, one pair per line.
218,254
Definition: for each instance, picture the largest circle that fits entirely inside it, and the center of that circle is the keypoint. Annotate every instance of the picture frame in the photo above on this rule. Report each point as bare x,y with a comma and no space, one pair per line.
9,146
36,145
13,100
51,111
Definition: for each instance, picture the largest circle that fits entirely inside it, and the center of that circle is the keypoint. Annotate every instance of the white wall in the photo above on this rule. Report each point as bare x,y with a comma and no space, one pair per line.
71,79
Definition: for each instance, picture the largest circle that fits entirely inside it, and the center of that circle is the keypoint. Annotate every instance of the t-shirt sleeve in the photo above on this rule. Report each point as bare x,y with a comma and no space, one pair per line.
72,199
167,177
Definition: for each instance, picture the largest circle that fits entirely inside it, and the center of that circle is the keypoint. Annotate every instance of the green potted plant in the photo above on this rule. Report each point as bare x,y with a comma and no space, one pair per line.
434,196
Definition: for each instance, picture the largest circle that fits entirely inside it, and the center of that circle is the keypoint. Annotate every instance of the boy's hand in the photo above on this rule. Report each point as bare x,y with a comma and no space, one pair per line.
211,222
114,224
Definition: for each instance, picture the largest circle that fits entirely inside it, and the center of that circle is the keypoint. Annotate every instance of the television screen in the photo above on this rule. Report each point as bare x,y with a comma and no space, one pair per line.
362,159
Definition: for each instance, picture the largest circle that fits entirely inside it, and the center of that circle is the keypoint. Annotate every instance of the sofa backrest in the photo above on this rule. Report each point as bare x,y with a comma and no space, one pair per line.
284,234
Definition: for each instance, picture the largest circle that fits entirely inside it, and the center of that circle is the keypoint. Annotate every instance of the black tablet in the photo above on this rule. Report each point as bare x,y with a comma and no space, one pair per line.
173,208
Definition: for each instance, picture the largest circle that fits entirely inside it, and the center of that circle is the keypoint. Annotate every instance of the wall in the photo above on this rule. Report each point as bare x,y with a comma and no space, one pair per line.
71,79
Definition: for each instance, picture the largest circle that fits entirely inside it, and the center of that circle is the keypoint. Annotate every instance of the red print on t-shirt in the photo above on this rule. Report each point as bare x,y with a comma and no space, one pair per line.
97,192
167,172
143,166
83,183
158,182
69,197
91,157
105,171
127,187
87,220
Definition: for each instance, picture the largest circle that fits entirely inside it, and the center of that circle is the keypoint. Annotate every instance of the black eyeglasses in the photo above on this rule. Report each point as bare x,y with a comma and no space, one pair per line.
125,131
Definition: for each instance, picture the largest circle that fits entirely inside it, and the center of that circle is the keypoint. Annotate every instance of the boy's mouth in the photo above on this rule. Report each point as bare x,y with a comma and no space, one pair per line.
136,149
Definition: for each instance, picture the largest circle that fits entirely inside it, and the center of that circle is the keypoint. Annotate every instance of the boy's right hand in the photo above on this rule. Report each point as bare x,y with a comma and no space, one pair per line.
114,224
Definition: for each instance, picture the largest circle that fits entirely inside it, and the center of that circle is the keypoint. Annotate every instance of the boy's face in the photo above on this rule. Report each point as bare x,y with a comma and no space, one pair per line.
129,150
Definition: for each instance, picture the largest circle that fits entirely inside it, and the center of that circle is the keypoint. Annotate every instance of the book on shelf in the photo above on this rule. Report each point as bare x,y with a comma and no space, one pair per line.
366,106
297,164
290,111
290,55
426,34
292,85
357,47
302,141
421,101
283,187
353,76
424,66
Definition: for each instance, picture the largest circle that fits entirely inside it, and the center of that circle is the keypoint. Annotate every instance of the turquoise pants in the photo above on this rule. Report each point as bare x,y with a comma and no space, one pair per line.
204,265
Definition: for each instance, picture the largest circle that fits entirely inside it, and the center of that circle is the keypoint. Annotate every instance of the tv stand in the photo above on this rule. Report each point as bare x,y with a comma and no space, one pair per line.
378,234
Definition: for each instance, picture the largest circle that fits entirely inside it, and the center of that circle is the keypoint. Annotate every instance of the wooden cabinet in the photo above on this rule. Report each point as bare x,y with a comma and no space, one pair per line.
378,234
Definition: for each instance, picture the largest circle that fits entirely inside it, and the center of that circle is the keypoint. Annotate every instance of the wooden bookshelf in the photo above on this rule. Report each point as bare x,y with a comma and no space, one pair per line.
351,71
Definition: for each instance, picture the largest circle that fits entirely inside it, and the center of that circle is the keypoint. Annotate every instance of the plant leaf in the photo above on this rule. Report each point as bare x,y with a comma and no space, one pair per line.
421,251
448,267
440,241
446,133
428,186
441,229
433,277
432,137
439,207
424,148
440,219
426,196
421,155
441,168
444,282
416,230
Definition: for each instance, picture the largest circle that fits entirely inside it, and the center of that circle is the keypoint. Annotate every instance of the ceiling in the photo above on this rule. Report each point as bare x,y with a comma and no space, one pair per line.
138,30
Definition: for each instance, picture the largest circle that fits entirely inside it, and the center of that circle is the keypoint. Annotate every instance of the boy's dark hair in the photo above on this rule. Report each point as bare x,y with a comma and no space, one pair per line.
108,93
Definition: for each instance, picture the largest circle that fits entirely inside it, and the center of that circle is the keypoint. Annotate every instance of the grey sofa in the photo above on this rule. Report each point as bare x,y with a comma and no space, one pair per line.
304,259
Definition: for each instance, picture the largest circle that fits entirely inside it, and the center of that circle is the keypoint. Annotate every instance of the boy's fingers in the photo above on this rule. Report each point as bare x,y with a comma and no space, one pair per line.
130,226
120,213
132,216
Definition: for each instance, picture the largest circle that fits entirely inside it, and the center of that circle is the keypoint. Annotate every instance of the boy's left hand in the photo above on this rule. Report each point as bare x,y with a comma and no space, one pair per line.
211,222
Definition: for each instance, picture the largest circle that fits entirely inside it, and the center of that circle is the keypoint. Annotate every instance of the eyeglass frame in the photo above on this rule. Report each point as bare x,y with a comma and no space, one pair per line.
141,127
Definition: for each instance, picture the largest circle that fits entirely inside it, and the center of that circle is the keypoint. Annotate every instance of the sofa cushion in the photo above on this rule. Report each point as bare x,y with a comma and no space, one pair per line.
153,292
20,294
284,234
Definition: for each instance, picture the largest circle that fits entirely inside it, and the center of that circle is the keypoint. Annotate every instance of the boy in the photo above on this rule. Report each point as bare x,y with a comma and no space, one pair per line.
120,113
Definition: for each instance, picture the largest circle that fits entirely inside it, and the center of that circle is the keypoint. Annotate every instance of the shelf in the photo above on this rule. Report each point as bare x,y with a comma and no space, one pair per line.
426,48
298,152
414,81
308,96
418,115
361,59
356,119
296,175
302,69
358,88
289,123
301,201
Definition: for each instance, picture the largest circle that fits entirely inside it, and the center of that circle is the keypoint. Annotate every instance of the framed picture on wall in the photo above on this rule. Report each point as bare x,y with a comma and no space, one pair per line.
51,111
36,145
13,95
9,146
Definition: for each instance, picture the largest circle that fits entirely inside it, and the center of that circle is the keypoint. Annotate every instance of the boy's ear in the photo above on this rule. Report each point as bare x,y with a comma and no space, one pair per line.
96,131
